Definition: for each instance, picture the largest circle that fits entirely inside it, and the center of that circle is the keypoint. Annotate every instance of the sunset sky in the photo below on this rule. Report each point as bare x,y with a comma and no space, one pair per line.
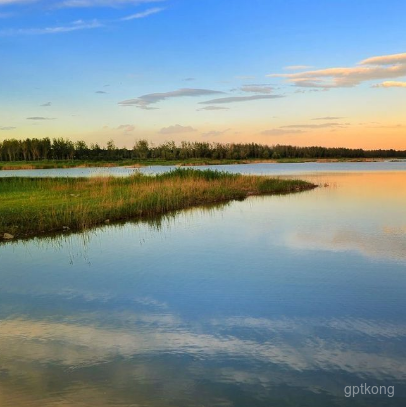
311,72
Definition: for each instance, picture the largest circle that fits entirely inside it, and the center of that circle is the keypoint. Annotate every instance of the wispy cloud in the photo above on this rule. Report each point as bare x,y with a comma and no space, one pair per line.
328,118
16,2
312,126
40,118
103,3
297,67
263,89
100,92
214,133
79,24
389,126
308,90
380,67
143,14
5,128
209,108
126,128
235,99
144,102
385,60
391,84
47,104
80,3
177,129
74,26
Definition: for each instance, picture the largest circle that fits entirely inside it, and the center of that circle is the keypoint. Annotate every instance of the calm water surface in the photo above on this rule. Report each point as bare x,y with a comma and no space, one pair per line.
265,168
273,301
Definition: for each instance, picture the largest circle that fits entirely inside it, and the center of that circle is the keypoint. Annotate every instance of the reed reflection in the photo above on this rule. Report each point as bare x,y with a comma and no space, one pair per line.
269,301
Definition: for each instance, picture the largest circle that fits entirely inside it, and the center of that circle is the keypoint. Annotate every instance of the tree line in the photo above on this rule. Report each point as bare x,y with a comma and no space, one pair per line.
34,149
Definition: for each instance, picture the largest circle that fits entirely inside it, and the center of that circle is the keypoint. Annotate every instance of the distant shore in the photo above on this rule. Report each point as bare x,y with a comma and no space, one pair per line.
33,206
55,164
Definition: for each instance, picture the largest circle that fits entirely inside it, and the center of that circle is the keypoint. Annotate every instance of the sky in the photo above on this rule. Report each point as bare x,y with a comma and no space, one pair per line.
301,72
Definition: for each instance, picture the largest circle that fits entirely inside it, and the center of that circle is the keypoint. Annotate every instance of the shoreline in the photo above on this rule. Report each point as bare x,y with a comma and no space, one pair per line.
36,206
59,164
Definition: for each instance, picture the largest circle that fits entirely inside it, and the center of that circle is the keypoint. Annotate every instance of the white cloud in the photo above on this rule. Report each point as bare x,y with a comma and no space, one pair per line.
385,60
143,14
380,67
391,84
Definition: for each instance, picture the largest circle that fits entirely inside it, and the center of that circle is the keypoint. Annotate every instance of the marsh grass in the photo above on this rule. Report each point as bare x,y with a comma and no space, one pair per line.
31,206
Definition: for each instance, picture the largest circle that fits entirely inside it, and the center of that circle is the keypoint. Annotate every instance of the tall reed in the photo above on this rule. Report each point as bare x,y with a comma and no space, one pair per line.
35,205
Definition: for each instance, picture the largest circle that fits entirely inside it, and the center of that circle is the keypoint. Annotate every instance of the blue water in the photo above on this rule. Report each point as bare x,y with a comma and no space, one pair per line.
264,168
272,301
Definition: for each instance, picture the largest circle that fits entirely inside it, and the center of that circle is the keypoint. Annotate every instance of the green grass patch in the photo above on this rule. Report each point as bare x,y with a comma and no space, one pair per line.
31,206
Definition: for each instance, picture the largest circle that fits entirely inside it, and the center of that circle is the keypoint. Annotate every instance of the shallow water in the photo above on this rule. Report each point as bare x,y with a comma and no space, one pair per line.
278,301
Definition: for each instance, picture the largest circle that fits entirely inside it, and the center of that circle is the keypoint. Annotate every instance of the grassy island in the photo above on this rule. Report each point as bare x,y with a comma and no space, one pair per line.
31,206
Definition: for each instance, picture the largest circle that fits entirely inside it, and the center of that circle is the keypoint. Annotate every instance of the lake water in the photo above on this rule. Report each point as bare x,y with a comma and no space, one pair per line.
272,301
264,168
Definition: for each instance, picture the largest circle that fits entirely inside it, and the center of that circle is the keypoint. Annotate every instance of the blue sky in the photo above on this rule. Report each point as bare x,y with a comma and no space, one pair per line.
98,65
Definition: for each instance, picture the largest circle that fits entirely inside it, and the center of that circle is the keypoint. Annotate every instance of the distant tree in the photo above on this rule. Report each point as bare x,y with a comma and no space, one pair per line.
63,149
141,150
